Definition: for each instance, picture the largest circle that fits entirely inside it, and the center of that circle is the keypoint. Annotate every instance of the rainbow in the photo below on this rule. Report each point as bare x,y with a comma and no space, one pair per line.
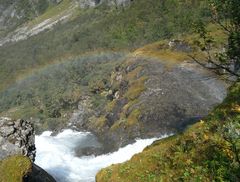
64,59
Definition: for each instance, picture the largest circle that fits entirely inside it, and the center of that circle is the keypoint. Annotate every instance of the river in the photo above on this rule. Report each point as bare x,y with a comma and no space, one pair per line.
56,154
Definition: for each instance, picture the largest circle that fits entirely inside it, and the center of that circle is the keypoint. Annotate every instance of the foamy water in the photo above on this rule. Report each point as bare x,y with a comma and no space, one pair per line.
56,155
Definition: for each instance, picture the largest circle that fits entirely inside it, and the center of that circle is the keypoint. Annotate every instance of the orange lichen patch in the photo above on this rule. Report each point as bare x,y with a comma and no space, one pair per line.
236,108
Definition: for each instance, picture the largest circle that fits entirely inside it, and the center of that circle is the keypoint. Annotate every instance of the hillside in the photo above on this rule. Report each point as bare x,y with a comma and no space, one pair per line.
206,151
118,70
15,13
90,31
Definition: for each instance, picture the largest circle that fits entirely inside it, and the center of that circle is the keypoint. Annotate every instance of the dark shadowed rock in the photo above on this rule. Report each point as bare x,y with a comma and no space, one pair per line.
38,175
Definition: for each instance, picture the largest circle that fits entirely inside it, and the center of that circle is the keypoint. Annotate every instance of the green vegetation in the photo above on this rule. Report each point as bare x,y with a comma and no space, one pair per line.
207,151
52,92
100,28
133,117
14,168
19,12
210,149
225,14
136,88
127,115
45,77
52,11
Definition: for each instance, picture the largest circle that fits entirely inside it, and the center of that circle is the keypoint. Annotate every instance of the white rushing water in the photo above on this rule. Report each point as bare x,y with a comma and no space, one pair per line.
56,155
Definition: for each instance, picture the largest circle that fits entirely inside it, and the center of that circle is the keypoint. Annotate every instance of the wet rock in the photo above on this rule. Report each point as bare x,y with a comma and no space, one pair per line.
38,175
87,151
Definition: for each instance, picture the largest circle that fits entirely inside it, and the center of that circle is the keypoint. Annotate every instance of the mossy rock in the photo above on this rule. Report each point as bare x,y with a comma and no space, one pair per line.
14,169
203,152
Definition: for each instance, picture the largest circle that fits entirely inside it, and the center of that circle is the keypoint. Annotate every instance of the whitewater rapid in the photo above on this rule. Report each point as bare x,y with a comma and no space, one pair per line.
56,154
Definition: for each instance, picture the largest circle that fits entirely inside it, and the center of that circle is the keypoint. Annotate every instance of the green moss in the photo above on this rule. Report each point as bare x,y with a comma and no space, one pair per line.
121,122
51,93
203,152
100,122
133,117
133,75
136,88
14,168
127,107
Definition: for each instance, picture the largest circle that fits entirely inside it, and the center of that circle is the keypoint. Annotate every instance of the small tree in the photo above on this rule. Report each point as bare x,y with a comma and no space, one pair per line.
225,14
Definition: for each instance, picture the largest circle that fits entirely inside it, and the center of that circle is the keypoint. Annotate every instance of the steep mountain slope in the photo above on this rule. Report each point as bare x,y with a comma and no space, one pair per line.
23,19
15,13
35,19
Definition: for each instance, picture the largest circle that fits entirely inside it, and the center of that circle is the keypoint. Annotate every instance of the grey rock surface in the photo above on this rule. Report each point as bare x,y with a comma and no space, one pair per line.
174,98
92,3
17,138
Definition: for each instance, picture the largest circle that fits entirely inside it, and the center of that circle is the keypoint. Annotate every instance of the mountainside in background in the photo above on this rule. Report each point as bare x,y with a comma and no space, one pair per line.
90,30
120,69
15,13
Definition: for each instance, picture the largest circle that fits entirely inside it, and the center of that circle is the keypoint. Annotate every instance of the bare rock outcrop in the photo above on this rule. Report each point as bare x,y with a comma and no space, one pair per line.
17,138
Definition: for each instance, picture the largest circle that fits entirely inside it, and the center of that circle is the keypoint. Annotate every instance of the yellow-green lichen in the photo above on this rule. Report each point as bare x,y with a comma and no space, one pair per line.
13,169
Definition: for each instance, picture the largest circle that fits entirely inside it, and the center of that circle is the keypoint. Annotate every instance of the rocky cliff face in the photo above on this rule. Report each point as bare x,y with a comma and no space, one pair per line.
92,3
14,13
17,138
147,98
